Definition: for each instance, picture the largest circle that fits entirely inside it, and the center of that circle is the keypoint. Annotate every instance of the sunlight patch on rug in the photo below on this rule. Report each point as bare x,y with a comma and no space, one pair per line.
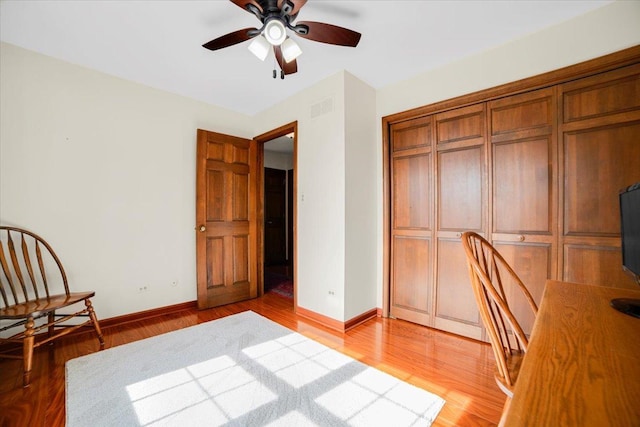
240,370
211,392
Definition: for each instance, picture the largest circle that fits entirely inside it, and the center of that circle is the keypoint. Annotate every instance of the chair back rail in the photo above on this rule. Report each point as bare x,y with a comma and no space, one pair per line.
23,257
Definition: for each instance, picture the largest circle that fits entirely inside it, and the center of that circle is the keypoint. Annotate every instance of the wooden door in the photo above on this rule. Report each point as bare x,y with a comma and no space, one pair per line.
461,206
523,150
274,216
412,221
600,150
226,236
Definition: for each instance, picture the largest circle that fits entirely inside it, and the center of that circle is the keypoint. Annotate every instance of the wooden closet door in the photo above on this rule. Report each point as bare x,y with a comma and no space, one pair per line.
461,194
523,152
600,155
412,220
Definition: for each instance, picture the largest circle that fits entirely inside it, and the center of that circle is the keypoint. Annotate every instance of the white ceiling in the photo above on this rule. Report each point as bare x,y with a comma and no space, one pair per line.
159,43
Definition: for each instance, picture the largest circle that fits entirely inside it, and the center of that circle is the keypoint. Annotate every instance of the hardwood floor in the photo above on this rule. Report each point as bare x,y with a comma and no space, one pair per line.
457,369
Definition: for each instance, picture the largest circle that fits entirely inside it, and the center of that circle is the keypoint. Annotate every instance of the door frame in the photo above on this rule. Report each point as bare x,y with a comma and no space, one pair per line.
261,140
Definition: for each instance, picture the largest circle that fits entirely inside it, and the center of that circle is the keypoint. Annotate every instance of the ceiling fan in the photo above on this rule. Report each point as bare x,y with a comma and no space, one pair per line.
278,16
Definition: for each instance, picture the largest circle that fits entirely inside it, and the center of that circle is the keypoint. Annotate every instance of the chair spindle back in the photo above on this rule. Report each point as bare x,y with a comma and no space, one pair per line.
26,259
491,276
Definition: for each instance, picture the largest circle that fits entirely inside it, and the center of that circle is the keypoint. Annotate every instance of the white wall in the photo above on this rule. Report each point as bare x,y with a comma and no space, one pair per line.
321,191
276,160
104,169
599,32
337,204
361,204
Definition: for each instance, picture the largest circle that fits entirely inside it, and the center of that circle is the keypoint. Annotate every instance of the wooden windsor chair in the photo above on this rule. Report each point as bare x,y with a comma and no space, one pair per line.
33,286
491,278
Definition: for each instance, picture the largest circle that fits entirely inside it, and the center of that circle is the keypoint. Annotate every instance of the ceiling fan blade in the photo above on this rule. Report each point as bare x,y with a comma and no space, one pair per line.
327,33
287,67
243,3
229,39
297,4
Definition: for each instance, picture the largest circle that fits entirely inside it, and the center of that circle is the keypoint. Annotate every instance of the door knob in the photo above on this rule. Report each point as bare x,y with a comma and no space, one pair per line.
202,228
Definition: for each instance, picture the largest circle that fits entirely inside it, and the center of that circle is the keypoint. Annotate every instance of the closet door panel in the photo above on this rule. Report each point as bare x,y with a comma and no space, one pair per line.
598,163
456,301
598,264
532,262
412,134
460,189
410,297
521,181
602,95
412,191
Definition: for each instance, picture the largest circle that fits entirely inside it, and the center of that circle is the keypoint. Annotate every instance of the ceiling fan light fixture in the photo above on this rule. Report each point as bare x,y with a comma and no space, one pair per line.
275,32
260,47
290,50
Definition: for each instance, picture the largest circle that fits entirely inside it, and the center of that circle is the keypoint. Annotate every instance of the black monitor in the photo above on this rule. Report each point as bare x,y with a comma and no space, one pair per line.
630,233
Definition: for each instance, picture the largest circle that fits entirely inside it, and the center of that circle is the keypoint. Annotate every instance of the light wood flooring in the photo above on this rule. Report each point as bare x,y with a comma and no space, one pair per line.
457,369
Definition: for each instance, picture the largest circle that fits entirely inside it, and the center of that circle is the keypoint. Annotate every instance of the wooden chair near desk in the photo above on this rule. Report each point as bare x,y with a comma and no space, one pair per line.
33,286
490,277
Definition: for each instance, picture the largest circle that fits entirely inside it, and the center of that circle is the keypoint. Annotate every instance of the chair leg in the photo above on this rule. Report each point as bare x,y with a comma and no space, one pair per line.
51,318
27,352
94,320
505,410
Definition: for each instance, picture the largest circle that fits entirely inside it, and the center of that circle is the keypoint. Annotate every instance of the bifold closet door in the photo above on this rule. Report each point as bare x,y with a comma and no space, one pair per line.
523,191
412,220
600,155
461,194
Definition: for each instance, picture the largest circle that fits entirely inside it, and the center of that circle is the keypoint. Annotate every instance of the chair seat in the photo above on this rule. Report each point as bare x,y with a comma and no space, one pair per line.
514,361
42,306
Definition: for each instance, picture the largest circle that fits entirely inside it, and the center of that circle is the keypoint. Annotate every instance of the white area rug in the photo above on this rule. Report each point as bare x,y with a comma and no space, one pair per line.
241,370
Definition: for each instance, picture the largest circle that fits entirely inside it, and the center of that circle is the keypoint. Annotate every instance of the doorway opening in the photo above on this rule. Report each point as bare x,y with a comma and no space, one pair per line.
278,149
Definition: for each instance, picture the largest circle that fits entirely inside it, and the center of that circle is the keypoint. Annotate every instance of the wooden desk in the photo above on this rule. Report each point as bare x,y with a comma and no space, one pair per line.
582,367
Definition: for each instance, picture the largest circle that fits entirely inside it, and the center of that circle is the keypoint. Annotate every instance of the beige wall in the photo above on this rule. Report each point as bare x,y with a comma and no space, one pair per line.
320,167
599,32
104,169
361,203
275,160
